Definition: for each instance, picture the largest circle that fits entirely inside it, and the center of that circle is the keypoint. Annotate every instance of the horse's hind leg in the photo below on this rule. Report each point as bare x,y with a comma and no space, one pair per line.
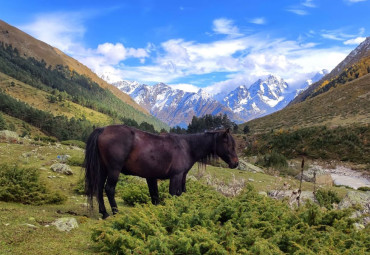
110,189
153,190
102,210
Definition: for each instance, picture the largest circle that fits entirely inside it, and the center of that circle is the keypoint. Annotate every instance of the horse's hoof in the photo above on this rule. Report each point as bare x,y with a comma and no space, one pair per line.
105,215
114,211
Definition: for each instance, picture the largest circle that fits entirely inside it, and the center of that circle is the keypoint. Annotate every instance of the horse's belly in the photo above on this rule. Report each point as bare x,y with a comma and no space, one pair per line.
148,165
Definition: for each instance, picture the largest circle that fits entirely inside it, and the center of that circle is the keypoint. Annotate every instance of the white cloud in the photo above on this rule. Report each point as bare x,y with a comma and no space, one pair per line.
185,87
240,59
355,1
297,11
226,27
341,34
61,30
309,4
355,41
258,21
114,53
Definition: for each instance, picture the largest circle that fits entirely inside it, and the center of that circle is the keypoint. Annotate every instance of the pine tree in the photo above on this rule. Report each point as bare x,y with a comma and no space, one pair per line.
2,123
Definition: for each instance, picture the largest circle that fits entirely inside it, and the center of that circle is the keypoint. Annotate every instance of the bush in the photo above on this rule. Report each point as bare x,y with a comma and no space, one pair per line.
23,185
76,161
45,139
79,187
202,221
326,198
274,159
77,143
133,193
364,188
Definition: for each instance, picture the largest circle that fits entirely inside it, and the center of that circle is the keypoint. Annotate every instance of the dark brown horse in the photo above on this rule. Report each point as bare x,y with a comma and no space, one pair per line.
121,149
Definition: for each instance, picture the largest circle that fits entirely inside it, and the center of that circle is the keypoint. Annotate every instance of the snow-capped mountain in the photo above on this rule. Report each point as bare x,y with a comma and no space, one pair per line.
263,97
173,106
177,107
311,81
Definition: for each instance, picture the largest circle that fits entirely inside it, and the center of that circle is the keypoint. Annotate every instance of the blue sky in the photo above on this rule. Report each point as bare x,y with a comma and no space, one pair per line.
215,45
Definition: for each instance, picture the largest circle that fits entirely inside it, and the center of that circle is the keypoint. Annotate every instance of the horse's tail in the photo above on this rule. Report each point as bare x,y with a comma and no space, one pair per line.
92,165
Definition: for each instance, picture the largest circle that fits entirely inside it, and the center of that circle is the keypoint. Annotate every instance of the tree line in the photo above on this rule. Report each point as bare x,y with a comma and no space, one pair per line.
63,83
206,123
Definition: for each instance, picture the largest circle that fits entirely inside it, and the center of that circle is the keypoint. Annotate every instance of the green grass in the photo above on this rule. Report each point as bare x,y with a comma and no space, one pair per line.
17,238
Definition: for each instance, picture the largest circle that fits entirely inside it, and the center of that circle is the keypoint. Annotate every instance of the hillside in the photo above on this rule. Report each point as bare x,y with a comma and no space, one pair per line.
59,90
360,53
31,47
345,105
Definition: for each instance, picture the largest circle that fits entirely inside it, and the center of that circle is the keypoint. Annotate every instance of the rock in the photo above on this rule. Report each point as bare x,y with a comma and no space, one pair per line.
65,224
245,166
251,180
27,154
324,179
63,158
8,135
191,177
358,226
30,225
292,196
354,198
61,168
263,193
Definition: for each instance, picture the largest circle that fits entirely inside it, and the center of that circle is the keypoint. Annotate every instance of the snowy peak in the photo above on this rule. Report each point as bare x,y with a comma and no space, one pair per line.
270,88
173,106
263,97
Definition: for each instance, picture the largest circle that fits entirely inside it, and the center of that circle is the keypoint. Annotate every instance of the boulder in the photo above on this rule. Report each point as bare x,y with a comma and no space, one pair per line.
245,166
354,198
324,179
65,224
63,158
292,196
9,136
61,168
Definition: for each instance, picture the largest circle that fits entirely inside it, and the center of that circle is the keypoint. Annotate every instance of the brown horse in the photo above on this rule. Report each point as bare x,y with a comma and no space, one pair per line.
121,149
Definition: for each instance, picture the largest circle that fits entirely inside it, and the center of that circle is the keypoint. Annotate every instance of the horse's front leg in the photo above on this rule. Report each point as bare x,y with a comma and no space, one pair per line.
176,184
184,182
153,190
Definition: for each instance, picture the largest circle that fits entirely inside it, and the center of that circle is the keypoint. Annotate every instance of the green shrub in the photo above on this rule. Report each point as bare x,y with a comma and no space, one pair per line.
76,161
23,185
326,198
202,221
79,187
133,193
77,143
274,159
364,188
45,139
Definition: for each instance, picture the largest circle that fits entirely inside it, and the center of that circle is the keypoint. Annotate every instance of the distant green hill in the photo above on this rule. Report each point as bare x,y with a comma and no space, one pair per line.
43,81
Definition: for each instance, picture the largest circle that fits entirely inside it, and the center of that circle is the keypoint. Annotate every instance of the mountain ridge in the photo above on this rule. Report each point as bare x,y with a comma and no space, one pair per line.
360,52
29,46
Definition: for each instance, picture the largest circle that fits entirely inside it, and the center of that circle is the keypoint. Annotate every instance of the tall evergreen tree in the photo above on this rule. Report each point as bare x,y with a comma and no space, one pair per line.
2,123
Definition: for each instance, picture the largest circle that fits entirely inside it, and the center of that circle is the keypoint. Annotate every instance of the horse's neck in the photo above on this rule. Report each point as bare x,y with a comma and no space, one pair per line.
201,145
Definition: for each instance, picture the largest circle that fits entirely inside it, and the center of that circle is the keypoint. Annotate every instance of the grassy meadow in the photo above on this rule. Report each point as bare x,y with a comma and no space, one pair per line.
26,228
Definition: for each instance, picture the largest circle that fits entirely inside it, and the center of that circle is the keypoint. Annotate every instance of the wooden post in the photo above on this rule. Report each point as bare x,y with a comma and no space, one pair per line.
300,184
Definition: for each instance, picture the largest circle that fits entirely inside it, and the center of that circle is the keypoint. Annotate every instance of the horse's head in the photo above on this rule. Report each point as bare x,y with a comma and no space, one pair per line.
225,148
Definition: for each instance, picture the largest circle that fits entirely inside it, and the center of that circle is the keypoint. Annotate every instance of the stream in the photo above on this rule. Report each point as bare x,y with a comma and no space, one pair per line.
342,175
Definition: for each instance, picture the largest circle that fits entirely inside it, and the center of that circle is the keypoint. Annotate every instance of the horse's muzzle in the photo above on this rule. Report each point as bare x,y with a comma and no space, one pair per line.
234,165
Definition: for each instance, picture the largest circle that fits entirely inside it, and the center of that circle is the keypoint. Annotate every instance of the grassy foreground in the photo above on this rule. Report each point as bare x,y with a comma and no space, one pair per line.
26,229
